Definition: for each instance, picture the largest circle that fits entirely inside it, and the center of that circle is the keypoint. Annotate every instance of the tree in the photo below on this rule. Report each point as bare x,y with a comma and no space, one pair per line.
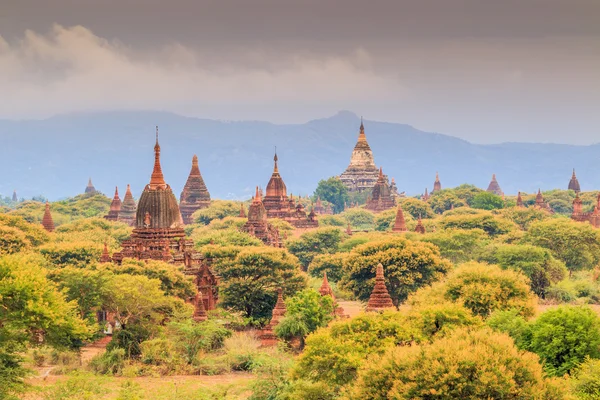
492,225
359,218
482,289
218,209
32,309
224,237
563,337
416,208
585,380
466,192
466,365
333,264
310,244
407,265
333,191
574,243
306,312
457,245
77,254
444,200
385,220
523,217
35,235
487,201
250,278
536,263
12,240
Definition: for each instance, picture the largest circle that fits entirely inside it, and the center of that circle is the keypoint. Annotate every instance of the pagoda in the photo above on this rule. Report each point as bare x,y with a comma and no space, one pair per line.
420,228
115,207
90,189
267,336
520,201
195,195
279,205
380,298
574,183
425,196
258,225
325,290
242,211
362,173
437,185
592,217
14,196
399,223
381,197
158,235
199,309
128,208
540,203
322,210
494,187
47,221
105,258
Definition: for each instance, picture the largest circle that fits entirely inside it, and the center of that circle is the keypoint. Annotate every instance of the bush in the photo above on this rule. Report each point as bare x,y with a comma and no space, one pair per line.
333,264
457,245
111,362
359,218
487,201
585,380
492,225
218,209
190,337
416,208
310,244
466,365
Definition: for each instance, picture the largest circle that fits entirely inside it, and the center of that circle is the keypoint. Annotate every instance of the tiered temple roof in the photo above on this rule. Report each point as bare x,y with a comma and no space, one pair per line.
105,258
47,221
128,208
325,290
267,337
362,173
381,198
158,234
199,309
540,203
242,211
520,200
380,298
90,189
592,217
322,210
494,187
420,228
258,225
194,195
574,183
399,223
425,196
115,207
437,185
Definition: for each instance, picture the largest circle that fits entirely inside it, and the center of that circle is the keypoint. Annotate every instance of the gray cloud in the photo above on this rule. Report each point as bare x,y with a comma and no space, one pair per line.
523,70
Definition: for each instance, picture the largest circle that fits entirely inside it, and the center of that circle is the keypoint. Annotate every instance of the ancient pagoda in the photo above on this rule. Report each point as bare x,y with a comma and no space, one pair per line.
279,205
322,210
380,298
425,196
194,195
90,189
258,225
158,235
267,336
399,223
381,197
199,309
520,200
105,257
574,183
242,211
592,217
115,207
128,208
419,228
47,221
362,173
494,187
437,185
325,290
14,196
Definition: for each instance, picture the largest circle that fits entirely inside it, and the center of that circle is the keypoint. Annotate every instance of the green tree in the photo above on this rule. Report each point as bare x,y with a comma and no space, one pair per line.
416,208
563,337
457,245
492,225
333,264
35,234
466,365
333,191
251,277
536,263
487,201
218,209
407,265
574,243
444,200
76,254
306,312
585,380
524,217
466,192
385,220
359,218
310,244
482,289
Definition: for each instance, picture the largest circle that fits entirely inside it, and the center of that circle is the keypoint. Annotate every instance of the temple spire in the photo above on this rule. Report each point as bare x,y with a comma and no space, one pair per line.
275,168
380,298
157,180
47,221
574,183
361,136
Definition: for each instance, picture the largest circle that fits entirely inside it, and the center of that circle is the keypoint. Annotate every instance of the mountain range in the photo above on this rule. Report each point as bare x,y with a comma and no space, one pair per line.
55,157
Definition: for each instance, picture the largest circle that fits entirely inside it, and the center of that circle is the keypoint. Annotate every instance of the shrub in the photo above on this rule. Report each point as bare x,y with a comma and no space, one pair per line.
457,245
492,225
110,362
190,337
585,380
310,244
359,218
333,264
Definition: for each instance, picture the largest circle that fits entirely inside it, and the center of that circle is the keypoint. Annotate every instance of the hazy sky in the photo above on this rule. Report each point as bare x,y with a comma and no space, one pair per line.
483,70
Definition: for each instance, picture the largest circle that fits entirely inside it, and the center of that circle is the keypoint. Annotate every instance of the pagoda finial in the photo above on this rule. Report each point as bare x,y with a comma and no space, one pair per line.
380,172
195,161
257,196
157,179
116,192
275,159
361,135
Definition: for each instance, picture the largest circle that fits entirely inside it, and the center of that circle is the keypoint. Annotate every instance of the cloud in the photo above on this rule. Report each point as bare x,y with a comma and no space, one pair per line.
72,69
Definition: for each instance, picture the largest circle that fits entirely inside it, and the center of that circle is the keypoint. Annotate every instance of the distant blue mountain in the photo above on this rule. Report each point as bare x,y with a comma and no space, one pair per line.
54,157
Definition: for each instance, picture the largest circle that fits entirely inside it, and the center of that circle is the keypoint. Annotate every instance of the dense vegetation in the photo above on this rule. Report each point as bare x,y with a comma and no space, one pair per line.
503,297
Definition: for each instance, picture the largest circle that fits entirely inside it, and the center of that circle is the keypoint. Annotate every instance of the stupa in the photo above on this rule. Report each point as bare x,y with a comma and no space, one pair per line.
381,197
90,189
380,298
399,223
194,195
420,228
242,211
362,173
267,336
574,183
437,185
158,235
494,187
115,207
520,200
128,208
47,221
425,196
105,258
592,217
14,196
199,309
258,224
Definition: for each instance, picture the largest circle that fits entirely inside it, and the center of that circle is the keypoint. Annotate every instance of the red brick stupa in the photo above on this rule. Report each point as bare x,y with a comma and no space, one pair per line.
326,290
47,221
400,223
437,185
258,225
380,298
381,197
115,207
105,258
267,336
592,217
494,187
90,189
420,228
128,208
520,200
195,195
425,196
199,309
574,183
242,211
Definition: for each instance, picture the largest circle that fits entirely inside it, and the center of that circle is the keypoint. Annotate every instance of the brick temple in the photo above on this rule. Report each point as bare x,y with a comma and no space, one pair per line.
574,183
258,224
128,208
380,299
47,221
115,207
194,195
494,187
591,217
362,174
381,198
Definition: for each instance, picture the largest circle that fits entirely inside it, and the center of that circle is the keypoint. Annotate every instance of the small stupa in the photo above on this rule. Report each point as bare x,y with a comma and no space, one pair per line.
380,298
420,228
400,223
47,221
